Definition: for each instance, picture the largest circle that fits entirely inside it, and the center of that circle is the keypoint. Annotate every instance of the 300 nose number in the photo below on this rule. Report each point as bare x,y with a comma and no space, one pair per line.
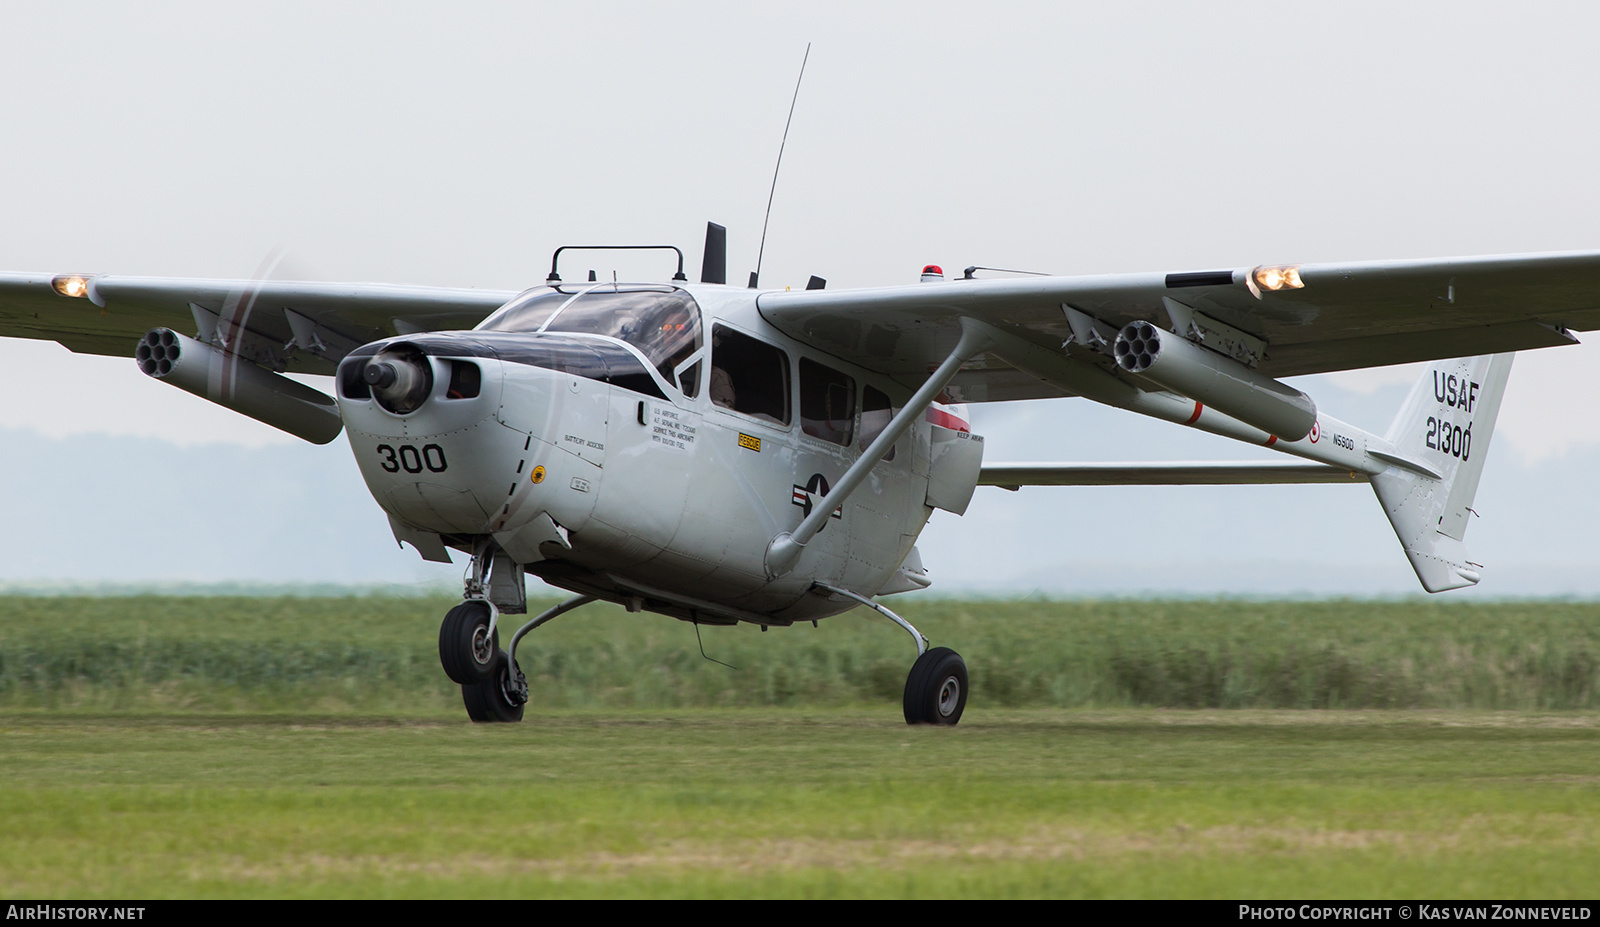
408,458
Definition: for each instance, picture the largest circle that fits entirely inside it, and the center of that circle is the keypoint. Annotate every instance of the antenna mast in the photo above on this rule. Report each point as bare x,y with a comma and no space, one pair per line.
755,275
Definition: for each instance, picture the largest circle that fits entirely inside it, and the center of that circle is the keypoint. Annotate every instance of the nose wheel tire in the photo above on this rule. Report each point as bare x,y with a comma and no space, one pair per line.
500,698
467,645
936,690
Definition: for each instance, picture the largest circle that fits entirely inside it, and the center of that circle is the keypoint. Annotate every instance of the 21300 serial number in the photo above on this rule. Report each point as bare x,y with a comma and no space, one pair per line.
1452,439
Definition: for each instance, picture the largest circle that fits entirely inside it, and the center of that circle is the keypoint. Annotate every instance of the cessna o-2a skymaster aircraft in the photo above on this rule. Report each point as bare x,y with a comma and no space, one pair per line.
722,454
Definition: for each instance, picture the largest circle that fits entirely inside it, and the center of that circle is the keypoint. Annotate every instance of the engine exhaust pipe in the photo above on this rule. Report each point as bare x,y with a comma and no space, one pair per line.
1220,382
240,385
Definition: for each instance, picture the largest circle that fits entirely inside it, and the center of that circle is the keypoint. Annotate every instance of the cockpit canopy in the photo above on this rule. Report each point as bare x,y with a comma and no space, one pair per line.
663,322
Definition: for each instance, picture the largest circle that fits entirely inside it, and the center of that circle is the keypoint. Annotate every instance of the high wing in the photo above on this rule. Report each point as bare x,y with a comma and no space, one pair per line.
1343,316
322,321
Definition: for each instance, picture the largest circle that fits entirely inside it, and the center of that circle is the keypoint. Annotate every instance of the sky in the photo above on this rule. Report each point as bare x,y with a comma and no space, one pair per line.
460,146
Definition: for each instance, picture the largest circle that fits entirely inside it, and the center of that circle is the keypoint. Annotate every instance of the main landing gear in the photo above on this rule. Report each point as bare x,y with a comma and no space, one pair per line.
936,690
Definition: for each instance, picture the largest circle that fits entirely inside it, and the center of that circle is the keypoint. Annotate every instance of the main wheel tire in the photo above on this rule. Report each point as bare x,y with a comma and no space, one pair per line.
491,701
466,647
936,690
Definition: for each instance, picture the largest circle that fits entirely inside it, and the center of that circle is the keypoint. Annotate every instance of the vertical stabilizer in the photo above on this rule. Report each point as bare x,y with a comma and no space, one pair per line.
1439,439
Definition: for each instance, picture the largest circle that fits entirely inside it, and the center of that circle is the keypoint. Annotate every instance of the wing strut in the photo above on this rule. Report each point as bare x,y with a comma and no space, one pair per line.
784,551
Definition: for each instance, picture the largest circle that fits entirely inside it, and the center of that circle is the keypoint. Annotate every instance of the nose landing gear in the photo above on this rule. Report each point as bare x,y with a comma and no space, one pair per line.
469,642
492,685
467,635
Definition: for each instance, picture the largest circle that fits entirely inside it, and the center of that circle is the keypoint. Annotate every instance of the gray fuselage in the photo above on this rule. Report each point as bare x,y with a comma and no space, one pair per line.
648,479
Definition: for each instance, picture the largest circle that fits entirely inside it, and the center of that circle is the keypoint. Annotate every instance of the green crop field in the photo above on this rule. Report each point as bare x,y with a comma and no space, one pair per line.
378,652
281,747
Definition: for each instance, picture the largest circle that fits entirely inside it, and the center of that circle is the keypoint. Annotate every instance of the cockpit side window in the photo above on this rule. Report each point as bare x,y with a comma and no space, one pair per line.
749,376
827,403
689,380
876,412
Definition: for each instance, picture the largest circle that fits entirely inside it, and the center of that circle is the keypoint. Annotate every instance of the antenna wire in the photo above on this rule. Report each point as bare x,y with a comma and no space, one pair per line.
770,193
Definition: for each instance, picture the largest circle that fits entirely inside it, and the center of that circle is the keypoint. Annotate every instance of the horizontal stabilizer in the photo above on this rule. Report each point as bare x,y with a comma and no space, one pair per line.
1163,473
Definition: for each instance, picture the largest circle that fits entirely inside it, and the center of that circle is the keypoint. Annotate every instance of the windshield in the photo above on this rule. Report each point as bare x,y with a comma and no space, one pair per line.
663,323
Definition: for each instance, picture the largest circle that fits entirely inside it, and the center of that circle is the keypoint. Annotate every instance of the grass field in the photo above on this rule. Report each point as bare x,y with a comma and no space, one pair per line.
380,653
802,803
158,747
